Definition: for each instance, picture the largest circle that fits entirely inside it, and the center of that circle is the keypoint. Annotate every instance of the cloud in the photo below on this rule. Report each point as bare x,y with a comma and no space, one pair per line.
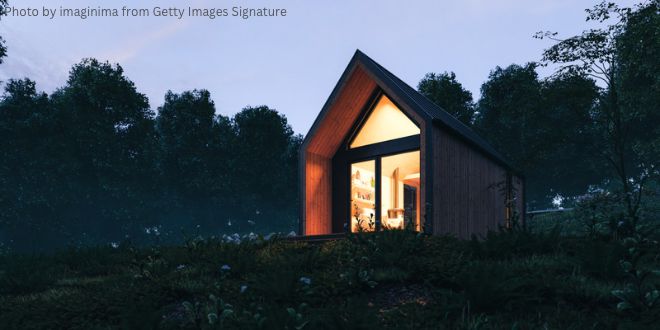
24,60
138,43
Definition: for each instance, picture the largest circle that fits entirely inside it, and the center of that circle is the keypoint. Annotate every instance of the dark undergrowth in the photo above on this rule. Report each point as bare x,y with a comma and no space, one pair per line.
393,279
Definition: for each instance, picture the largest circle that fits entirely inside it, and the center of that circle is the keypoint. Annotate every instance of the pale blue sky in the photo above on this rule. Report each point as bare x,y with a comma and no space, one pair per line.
291,63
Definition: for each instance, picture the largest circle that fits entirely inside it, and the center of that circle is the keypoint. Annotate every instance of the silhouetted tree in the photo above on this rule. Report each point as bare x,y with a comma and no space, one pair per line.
568,167
264,166
638,67
542,128
3,48
29,165
444,90
509,109
110,147
195,154
625,122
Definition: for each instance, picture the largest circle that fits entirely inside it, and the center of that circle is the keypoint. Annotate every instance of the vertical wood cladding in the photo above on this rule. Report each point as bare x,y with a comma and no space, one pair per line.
466,196
318,194
342,115
317,156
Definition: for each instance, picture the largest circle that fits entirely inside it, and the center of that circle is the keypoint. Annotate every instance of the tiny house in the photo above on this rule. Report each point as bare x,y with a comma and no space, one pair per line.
381,155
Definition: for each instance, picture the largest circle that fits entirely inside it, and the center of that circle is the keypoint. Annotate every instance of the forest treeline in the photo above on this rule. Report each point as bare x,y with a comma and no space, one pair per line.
93,163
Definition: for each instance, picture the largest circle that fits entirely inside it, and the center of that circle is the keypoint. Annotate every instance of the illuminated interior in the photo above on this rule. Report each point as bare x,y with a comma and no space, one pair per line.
396,178
363,196
400,191
386,122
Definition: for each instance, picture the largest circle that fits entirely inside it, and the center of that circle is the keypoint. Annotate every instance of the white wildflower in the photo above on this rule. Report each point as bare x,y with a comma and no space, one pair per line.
243,288
152,230
269,236
305,280
225,268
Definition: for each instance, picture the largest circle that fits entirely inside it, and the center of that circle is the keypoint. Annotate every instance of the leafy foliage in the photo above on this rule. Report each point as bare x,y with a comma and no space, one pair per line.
619,121
92,164
387,279
3,48
540,126
444,90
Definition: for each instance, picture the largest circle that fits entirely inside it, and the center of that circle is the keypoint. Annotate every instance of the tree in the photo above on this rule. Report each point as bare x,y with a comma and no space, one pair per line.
638,61
445,91
265,163
195,151
509,117
540,126
29,167
3,48
185,125
568,167
509,106
610,55
110,147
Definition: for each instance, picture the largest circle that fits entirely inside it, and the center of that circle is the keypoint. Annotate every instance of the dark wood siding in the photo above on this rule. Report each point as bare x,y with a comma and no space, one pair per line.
466,196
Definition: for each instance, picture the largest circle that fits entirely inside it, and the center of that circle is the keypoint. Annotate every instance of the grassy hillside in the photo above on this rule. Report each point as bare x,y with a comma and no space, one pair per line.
393,279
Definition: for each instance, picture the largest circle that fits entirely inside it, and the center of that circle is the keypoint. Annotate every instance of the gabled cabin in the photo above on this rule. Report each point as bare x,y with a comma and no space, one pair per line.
381,155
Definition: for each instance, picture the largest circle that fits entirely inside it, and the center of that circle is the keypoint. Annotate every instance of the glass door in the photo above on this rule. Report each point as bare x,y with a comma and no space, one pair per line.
385,193
400,185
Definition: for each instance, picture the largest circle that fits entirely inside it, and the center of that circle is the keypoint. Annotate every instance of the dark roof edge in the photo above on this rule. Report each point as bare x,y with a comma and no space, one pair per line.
385,77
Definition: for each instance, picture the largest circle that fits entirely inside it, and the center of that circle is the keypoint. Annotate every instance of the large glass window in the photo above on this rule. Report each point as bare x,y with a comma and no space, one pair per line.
363,196
386,122
397,180
400,191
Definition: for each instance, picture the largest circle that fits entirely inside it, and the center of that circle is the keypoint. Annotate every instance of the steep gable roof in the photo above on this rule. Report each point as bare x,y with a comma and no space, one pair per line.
399,90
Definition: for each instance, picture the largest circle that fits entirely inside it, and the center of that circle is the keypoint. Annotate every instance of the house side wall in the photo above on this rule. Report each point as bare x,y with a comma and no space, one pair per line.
466,197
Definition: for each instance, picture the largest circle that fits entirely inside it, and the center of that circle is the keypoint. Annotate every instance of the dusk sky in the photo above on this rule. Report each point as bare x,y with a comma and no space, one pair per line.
288,63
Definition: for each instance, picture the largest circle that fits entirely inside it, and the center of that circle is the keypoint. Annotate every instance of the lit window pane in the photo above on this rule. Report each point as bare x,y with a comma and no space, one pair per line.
400,191
386,122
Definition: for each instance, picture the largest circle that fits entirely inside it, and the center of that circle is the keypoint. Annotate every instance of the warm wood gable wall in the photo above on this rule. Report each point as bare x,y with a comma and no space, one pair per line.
323,144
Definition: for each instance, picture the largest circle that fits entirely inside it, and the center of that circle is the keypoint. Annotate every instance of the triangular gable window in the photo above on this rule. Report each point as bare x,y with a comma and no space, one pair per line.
385,122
